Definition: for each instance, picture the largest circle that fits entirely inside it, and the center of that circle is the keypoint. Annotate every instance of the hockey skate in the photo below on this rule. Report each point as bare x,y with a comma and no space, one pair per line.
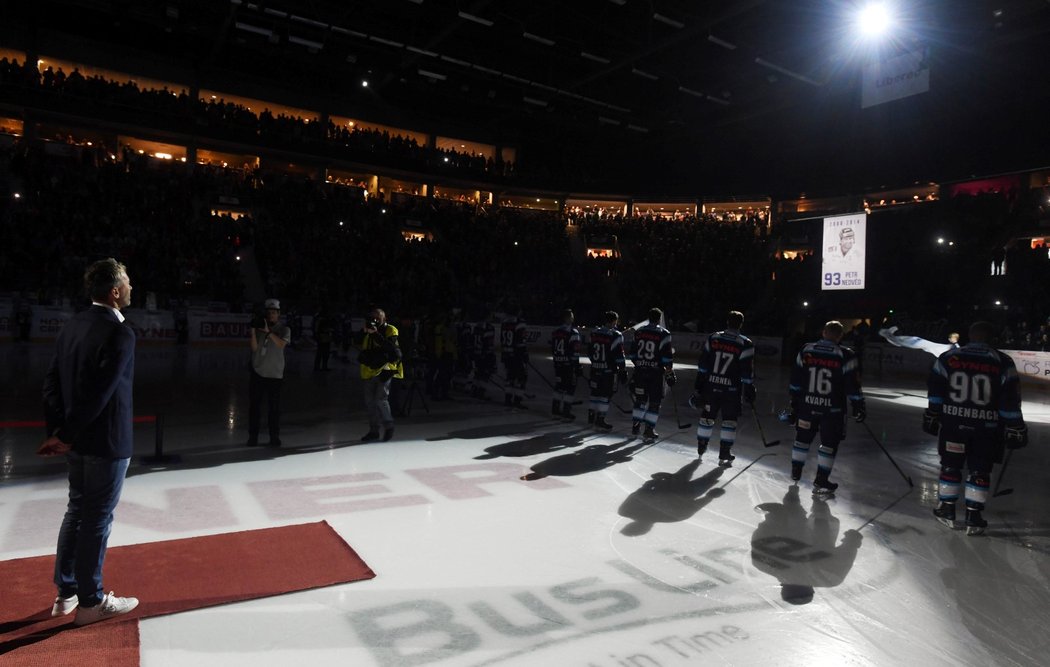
636,427
701,447
796,470
824,487
601,424
725,458
975,523
945,513
650,433
590,416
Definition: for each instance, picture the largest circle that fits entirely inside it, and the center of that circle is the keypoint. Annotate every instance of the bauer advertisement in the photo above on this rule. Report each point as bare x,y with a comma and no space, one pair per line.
842,253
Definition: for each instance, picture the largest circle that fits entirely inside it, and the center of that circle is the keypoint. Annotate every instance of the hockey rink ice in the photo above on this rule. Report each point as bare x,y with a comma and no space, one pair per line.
506,537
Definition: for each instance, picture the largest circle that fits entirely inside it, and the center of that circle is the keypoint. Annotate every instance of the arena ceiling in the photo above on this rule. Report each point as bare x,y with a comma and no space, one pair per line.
670,92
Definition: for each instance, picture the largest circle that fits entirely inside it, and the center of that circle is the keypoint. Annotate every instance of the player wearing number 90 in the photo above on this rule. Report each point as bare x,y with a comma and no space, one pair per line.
974,409
823,378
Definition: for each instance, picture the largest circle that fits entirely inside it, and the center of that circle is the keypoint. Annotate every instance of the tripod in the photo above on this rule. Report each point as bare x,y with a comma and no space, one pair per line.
410,398
415,373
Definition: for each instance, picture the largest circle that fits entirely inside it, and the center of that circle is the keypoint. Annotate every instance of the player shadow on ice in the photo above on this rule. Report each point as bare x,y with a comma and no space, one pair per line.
998,603
800,550
589,459
669,497
543,443
490,431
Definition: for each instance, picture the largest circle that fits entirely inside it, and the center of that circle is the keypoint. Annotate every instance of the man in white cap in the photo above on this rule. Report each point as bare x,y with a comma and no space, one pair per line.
268,339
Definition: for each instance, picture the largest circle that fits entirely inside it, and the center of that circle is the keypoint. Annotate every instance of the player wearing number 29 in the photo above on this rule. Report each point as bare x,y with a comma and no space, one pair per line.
725,372
974,406
824,377
653,357
565,351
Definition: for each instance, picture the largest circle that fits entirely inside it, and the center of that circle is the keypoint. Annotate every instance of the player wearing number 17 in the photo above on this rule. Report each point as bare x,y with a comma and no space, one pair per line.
974,409
724,374
823,378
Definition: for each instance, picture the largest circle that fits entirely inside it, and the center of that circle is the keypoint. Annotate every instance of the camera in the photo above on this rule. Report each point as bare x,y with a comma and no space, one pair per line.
371,323
258,321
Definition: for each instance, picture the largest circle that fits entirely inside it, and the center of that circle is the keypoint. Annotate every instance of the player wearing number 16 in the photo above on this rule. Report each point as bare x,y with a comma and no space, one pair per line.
974,410
824,377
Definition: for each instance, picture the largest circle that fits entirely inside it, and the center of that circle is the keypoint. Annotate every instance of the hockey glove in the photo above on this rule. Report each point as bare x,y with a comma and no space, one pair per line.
695,400
860,411
931,422
671,379
788,416
750,393
1016,436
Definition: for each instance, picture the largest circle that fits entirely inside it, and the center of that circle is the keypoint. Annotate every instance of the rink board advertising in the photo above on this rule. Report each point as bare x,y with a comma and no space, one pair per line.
842,253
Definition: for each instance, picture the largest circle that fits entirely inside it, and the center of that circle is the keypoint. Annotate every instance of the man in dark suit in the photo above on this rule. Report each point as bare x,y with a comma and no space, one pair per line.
87,401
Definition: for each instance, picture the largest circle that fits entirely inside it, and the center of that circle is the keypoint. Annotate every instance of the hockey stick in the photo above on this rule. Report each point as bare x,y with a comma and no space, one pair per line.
761,433
877,442
674,403
545,380
881,512
1002,472
743,470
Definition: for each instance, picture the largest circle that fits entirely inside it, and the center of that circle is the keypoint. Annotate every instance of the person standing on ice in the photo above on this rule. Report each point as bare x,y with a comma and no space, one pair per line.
974,410
824,377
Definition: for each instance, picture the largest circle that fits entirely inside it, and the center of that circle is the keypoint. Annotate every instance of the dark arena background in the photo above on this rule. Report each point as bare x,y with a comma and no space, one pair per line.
461,163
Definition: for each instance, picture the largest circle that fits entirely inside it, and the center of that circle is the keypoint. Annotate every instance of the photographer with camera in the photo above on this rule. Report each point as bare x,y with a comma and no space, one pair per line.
268,339
379,357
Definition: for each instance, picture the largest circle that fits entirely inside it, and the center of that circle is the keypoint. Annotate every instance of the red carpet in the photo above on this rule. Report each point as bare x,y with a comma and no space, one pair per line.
167,577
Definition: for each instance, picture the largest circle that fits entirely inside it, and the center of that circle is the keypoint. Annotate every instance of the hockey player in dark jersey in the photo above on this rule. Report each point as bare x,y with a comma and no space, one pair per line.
608,365
565,351
465,353
824,377
484,354
653,357
725,373
514,353
974,409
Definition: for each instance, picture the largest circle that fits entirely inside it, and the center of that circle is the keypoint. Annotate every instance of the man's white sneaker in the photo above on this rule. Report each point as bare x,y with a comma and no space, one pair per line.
64,606
110,606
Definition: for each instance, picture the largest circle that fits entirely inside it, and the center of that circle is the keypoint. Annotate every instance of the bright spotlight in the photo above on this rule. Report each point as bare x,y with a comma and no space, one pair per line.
874,19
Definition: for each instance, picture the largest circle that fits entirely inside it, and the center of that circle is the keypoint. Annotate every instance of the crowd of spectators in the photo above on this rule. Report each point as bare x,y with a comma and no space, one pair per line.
169,109
322,244
154,216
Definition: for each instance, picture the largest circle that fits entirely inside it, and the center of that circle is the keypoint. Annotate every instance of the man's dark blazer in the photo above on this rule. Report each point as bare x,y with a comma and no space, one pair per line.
87,391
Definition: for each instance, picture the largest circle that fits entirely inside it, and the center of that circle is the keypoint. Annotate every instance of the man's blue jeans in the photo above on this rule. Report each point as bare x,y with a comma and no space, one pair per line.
94,490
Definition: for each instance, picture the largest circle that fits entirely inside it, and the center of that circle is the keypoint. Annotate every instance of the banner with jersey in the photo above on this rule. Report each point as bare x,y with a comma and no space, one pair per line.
842,252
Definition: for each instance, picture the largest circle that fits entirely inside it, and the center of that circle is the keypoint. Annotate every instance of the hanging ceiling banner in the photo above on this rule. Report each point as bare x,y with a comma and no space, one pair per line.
842,253
896,78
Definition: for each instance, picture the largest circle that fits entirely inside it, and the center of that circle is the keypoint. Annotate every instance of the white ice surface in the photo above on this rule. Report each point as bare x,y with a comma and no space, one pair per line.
613,554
